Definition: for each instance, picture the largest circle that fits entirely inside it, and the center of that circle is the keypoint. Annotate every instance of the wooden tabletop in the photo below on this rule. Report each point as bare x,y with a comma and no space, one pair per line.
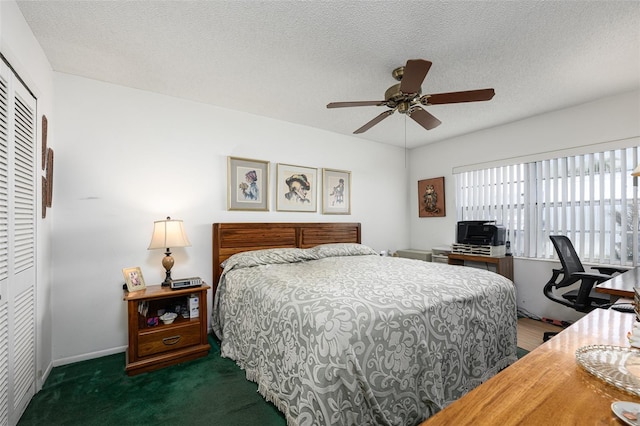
159,291
547,386
621,285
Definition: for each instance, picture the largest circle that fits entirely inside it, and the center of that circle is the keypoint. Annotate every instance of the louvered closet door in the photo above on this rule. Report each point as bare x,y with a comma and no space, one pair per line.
17,247
4,244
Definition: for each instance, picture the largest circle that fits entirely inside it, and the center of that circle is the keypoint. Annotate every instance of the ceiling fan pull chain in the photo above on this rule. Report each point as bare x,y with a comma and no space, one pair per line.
405,141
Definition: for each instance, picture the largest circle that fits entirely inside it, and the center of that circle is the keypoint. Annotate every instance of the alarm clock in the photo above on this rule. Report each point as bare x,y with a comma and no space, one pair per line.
186,283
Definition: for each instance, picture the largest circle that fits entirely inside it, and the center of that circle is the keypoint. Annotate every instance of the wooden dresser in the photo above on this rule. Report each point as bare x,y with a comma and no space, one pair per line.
547,386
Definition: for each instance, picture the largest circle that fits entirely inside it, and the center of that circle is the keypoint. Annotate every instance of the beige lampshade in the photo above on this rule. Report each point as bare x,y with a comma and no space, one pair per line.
168,233
636,171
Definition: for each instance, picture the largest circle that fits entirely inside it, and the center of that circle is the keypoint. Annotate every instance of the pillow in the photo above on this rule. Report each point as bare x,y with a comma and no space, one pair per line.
247,259
341,249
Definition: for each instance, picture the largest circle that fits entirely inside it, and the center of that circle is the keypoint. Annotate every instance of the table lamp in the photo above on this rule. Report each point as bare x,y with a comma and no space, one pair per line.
168,233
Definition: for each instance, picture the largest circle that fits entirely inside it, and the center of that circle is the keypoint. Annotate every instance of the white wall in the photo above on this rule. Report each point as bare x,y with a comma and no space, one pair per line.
126,157
614,118
25,55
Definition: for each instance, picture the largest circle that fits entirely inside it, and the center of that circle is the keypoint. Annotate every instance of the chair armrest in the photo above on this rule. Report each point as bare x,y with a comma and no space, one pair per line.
597,278
552,283
609,270
587,281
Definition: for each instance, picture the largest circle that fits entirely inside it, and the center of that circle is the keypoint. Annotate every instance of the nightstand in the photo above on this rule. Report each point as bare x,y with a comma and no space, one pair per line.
156,346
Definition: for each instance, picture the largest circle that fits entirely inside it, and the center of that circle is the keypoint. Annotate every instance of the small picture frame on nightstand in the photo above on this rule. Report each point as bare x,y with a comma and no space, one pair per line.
133,278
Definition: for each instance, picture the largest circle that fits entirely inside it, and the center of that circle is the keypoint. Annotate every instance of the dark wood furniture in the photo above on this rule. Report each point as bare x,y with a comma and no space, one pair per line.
547,386
621,285
504,264
153,347
232,238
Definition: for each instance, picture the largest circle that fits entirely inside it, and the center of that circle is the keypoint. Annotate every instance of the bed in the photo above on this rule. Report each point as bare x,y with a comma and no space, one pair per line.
334,334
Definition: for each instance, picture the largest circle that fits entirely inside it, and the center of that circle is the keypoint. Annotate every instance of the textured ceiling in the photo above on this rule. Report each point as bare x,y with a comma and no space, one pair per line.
288,59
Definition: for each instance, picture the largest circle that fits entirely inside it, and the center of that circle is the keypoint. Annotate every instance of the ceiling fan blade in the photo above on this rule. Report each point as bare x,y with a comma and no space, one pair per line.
354,104
424,119
457,97
375,121
414,73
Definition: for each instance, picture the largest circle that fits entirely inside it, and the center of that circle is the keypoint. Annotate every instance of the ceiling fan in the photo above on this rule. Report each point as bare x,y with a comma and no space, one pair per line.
406,97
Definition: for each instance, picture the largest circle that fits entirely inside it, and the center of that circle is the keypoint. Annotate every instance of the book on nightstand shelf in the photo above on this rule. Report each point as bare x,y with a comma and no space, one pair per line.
193,303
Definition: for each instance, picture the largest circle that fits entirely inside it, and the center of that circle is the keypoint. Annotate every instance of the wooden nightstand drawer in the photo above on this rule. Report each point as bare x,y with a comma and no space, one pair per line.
151,342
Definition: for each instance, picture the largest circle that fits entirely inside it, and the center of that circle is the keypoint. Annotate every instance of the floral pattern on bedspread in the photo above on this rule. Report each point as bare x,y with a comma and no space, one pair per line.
341,249
247,259
355,340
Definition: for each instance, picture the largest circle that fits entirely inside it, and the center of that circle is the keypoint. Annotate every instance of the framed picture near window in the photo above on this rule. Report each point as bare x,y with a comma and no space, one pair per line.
133,278
296,188
431,197
336,191
247,184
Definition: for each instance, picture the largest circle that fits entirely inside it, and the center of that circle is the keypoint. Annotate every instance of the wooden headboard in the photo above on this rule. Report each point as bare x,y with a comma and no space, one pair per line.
232,238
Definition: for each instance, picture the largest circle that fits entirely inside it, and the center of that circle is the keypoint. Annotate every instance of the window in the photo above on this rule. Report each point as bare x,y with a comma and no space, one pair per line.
591,198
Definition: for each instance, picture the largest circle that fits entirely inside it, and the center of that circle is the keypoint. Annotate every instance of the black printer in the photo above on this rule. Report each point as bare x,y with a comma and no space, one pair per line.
480,232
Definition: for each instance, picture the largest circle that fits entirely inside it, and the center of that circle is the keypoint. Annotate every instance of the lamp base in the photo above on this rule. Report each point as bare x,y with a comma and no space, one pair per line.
167,281
167,263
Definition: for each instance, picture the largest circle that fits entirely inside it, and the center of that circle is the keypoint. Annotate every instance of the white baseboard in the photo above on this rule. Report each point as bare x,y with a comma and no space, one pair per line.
88,356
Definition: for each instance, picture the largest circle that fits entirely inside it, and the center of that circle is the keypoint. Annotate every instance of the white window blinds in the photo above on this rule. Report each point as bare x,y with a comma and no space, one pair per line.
591,198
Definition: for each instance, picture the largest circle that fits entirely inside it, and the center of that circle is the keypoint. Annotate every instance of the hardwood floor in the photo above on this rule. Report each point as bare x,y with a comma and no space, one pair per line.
530,332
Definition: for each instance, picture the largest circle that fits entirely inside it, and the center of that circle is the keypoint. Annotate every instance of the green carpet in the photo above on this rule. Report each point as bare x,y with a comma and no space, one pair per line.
208,391
521,352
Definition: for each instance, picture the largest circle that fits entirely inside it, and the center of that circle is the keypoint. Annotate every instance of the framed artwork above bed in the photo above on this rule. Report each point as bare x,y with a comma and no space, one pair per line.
247,184
336,191
296,188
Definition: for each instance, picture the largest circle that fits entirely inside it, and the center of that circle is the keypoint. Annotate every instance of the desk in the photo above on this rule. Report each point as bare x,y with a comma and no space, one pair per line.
621,285
504,264
547,386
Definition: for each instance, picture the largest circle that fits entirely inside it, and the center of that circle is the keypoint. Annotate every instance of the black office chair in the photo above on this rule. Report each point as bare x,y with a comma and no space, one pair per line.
584,298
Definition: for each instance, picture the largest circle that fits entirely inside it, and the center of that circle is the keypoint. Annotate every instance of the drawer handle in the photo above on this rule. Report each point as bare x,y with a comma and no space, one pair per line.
171,340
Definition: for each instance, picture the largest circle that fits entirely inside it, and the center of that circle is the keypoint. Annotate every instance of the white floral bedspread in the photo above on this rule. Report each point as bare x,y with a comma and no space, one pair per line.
337,335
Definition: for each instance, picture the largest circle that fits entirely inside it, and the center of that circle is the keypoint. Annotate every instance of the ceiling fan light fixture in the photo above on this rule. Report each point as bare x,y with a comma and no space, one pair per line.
393,95
406,96
398,73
